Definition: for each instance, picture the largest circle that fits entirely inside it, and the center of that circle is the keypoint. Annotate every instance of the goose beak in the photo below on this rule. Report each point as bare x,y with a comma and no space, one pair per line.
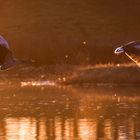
119,50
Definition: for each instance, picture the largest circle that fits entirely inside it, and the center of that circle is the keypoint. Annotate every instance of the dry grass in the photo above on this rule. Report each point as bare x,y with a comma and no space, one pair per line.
124,74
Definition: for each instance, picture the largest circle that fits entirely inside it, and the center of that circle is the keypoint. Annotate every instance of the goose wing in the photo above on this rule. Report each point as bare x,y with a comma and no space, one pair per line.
134,58
3,42
132,50
9,61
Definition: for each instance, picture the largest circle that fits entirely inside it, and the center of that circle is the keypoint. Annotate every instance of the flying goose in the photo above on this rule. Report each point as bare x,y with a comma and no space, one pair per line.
7,58
132,50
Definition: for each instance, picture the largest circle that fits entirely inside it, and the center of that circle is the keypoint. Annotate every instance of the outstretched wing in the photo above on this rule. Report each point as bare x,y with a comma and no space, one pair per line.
132,50
134,58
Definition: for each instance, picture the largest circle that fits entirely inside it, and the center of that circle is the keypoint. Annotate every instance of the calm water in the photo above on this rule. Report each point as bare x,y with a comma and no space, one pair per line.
67,113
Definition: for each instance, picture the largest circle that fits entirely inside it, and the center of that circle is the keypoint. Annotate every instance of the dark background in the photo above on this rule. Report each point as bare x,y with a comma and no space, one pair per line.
55,31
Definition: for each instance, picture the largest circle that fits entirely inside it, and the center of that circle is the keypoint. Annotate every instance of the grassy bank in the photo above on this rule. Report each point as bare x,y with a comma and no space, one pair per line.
123,74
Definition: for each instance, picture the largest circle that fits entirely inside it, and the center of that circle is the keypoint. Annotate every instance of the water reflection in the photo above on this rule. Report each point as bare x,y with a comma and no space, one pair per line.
20,128
70,113
58,128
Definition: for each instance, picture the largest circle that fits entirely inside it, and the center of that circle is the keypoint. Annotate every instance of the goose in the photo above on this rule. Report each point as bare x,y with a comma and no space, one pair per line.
131,49
7,58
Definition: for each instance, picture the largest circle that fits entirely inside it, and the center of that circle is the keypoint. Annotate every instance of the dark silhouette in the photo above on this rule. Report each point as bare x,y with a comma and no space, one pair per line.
7,58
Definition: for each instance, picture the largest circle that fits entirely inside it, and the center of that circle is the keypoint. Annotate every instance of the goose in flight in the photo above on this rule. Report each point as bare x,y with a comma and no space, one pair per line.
7,58
132,50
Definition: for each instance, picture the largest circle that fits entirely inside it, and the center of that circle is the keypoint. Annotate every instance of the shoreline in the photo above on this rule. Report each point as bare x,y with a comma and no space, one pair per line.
104,74
125,74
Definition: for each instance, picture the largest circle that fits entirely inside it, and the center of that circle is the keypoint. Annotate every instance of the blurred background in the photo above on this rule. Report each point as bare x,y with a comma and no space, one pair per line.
72,32
65,95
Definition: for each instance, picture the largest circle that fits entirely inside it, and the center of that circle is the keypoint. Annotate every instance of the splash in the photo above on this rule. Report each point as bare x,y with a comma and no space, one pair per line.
37,83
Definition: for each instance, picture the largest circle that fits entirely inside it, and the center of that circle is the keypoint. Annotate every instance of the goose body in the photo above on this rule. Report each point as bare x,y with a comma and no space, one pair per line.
132,50
7,58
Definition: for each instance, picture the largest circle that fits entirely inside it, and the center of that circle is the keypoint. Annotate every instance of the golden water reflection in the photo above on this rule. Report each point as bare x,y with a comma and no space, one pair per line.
70,114
60,128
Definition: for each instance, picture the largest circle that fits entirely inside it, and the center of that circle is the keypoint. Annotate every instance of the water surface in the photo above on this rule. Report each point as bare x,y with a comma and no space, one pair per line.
67,112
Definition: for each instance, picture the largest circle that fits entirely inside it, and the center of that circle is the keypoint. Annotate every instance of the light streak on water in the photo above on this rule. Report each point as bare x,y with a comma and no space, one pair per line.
37,83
